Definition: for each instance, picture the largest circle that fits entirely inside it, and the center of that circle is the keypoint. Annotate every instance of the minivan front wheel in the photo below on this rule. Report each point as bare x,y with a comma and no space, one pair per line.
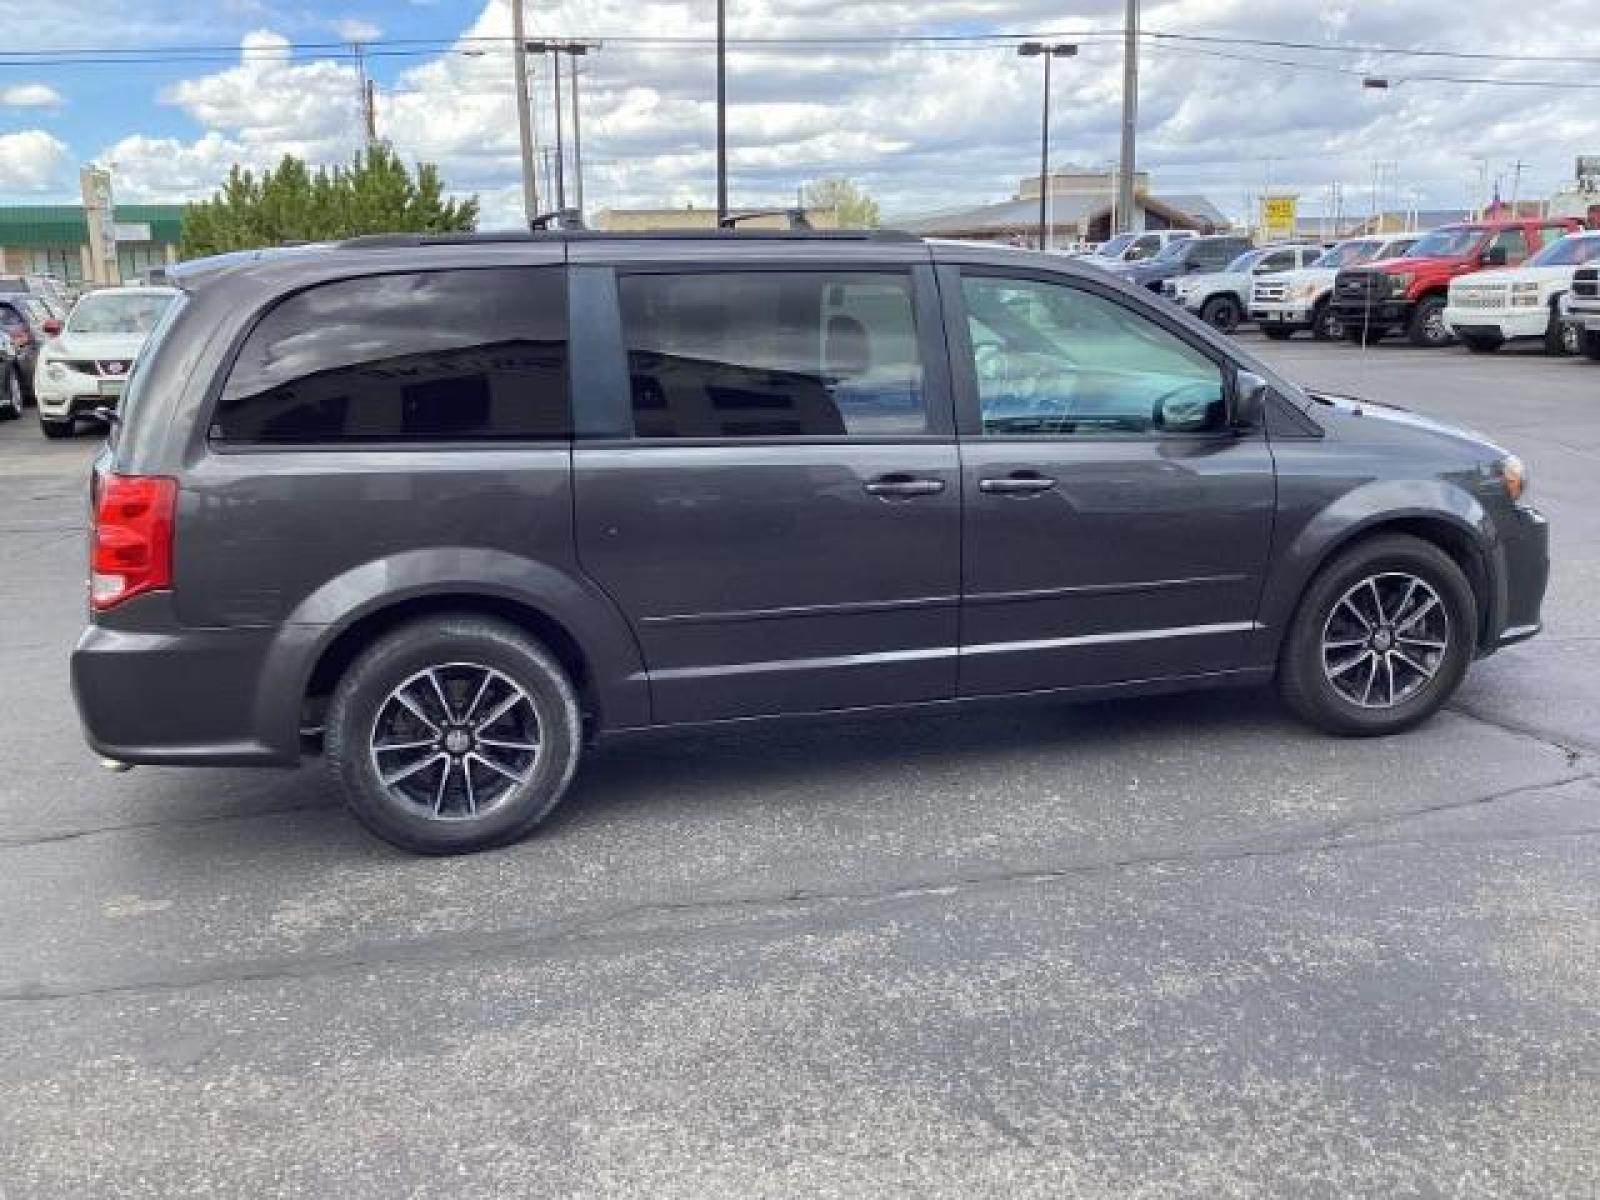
453,734
1383,636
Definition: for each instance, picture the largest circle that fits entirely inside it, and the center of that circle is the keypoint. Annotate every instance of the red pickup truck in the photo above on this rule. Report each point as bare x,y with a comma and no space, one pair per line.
1409,293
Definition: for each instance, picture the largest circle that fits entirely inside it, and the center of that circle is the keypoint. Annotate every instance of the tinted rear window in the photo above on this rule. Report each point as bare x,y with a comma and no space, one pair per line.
427,356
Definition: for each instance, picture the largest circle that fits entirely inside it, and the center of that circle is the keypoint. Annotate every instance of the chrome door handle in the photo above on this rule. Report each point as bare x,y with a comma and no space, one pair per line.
893,487
1016,485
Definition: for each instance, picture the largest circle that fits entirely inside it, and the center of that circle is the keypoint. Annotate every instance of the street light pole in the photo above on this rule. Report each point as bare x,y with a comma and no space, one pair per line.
519,73
577,135
1130,117
1046,51
722,112
561,162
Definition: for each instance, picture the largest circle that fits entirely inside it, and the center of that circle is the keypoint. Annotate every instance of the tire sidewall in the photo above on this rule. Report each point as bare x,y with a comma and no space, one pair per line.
1325,323
1317,698
1212,312
401,655
1421,324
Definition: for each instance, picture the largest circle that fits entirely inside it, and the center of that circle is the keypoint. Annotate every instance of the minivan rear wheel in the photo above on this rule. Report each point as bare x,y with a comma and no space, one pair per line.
1382,638
453,734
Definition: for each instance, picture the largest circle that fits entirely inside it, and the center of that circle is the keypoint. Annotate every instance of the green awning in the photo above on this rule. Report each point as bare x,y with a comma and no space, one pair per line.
47,225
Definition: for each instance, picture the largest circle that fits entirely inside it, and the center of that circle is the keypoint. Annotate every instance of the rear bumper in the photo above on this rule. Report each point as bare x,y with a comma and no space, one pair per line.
213,696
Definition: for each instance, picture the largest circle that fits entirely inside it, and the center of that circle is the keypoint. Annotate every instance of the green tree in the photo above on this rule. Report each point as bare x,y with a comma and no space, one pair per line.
376,193
856,209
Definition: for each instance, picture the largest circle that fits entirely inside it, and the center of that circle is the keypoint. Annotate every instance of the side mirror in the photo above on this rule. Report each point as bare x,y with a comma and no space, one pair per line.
1494,256
1249,407
52,327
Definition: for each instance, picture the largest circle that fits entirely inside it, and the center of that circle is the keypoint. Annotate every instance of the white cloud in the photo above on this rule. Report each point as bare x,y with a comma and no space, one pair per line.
924,127
30,95
354,29
32,160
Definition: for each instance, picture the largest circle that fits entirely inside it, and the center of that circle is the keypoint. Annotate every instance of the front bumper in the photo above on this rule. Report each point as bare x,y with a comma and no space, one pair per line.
1281,314
75,396
1584,319
1382,314
1523,575
1507,323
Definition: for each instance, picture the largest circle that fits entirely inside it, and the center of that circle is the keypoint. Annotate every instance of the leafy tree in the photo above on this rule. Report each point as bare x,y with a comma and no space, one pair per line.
856,209
376,193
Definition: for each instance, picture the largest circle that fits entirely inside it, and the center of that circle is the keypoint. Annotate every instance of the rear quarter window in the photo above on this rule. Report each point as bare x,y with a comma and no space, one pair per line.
464,355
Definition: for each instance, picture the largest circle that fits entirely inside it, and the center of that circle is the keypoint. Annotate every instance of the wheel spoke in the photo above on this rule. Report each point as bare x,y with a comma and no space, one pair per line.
1356,612
438,690
502,709
415,710
1423,609
514,776
1425,672
444,785
1405,601
1377,601
1388,670
1425,643
408,771
1343,643
1349,665
391,747
505,744
477,699
1372,678
466,778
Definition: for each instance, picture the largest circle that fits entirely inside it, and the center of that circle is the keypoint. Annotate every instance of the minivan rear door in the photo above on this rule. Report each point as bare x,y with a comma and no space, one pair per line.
765,474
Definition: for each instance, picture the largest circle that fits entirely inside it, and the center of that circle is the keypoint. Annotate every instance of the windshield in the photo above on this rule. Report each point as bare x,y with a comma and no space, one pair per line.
1568,252
1174,251
118,312
1348,254
1245,261
1115,247
1446,243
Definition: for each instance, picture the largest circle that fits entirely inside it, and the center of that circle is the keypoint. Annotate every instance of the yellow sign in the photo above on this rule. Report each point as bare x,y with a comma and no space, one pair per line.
1278,216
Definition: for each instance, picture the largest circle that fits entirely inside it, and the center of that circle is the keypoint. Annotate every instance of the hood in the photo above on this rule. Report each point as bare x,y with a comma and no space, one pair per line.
124,346
1349,408
1303,275
1408,266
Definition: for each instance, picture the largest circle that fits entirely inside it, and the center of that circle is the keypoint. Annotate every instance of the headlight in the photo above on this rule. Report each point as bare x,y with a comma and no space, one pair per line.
1513,475
1525,295
55,371
1400,284
1304,291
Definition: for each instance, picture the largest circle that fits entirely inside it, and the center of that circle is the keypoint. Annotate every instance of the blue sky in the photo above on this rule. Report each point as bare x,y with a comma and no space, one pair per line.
921,127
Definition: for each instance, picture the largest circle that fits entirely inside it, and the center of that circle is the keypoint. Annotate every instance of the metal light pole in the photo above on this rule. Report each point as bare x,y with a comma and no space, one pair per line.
577,129
1046,51
519,57
722,112
1130,117
561,162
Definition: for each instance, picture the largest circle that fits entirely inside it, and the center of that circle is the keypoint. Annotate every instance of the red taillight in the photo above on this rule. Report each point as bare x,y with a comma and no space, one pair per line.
21,337
130,548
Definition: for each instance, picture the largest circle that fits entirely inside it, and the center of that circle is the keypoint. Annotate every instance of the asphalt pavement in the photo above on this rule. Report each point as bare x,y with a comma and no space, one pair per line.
1180,947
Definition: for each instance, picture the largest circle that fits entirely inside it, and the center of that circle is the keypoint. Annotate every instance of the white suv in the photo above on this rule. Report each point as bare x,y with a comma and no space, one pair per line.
1487,309
85,367
1134,247
1286,301
1222,298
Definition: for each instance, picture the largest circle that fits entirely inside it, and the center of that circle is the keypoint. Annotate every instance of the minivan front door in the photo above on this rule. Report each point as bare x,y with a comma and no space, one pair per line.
780,517
1116,529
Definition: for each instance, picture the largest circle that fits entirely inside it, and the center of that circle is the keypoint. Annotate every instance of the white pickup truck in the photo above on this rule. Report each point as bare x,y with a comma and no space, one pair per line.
1487,309
1286,301
1583,310
1221,298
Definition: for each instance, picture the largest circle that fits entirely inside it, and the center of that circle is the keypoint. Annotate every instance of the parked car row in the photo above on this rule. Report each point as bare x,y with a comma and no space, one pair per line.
73,365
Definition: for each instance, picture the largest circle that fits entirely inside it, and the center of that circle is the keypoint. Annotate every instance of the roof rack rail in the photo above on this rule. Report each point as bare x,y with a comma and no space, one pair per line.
796,216
381,241
557,218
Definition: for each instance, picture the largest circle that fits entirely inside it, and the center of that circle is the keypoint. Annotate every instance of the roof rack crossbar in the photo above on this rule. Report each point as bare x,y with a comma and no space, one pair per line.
382,241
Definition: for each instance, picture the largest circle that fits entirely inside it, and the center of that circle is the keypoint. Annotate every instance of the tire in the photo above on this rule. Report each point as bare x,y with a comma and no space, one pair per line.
1325,323
1278,333
434,809
1560,338
1480,343
1427,328
1591,344
55,429
1222,313
1311,685
11,403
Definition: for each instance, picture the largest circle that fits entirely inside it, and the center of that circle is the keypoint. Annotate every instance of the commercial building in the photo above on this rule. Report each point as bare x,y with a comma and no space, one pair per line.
1078,209
636,220
53,239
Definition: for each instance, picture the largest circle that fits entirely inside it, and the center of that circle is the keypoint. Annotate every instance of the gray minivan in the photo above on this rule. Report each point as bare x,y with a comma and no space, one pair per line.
446,508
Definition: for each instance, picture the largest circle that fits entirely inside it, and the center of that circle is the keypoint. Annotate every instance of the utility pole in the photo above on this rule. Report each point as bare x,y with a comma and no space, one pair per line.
1130,116
366,93
722,112
561,162
1483,186
1516,184
519,59
577,134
